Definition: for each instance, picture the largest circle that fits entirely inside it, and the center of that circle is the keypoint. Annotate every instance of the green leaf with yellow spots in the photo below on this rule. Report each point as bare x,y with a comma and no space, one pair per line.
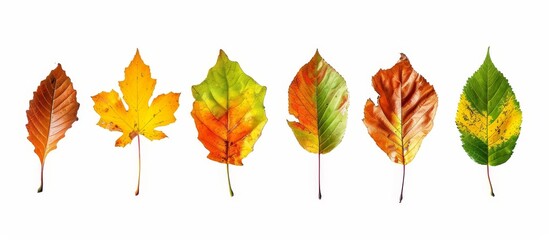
488,117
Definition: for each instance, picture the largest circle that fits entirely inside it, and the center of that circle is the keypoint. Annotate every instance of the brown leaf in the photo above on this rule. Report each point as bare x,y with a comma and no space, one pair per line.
406,108
51,113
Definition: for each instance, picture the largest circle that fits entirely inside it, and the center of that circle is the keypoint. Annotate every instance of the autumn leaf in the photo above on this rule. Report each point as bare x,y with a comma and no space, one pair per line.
52,111
488,117
407,104
228,112
139,118
318,98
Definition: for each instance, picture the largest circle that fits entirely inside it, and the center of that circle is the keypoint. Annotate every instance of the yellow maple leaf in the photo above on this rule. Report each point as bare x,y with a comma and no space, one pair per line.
139,118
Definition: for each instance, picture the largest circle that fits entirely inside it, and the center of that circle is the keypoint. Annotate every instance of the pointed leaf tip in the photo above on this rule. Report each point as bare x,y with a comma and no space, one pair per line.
137,58
403,57
488,58
222,56
316,57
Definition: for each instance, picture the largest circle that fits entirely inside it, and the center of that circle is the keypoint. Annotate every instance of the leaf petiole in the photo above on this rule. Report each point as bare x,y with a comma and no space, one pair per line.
489,181
402,187
229,180
139,165
41,179
319,193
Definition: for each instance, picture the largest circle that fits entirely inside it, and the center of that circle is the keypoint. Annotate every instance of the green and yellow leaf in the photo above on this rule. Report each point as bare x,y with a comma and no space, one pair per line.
488,117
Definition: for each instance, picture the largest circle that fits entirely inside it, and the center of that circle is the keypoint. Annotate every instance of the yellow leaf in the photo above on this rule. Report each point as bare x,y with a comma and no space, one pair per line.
140,118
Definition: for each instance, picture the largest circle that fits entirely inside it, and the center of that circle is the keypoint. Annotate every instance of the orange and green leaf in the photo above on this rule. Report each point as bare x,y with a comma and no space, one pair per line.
407,104
140,118
318,98
228,112
52,111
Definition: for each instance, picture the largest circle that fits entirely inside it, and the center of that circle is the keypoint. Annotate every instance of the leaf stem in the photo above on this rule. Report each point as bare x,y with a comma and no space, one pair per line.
41,178
489,181
229,180
319,193
139,165
402,187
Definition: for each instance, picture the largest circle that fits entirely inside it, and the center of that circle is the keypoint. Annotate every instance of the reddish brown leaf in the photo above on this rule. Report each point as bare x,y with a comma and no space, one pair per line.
406,108
51,113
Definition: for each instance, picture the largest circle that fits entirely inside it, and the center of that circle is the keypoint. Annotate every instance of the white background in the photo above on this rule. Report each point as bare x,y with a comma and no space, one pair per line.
89,183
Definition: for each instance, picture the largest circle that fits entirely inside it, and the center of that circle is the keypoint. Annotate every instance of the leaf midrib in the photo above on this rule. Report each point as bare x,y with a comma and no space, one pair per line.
401,79
48,129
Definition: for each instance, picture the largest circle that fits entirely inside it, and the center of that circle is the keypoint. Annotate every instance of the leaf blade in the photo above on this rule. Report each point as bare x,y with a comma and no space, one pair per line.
404,115
52,111
140,117
228,111
488,117
318,99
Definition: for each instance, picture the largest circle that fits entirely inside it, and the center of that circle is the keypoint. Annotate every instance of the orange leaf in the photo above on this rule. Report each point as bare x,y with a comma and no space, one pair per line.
228,112
404,116
52,111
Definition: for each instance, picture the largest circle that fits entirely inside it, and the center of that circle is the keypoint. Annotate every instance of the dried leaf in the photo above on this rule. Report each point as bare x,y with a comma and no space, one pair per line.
52,111
488,117
139,118
406,108
228,112
318,98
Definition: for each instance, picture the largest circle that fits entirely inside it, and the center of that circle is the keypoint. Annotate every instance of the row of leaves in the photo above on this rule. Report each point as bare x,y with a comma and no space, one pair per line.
229,113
